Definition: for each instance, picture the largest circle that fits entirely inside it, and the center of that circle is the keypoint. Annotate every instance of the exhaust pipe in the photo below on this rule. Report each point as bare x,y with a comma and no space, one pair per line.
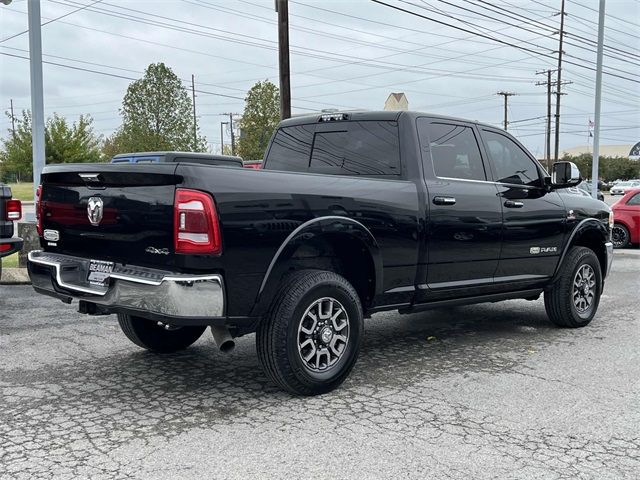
224,340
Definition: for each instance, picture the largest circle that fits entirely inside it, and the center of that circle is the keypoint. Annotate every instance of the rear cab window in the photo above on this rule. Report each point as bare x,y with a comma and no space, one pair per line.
454,150
350,148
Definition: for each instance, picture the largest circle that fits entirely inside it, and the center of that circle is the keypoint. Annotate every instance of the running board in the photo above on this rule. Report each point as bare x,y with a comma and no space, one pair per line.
531,294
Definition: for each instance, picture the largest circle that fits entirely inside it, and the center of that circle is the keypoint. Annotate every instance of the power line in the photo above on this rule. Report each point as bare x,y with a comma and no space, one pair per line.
536,23
636,26
525,29
51,21
395,7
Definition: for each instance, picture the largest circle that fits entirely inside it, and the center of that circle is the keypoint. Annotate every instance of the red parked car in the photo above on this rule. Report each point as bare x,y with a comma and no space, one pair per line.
626,217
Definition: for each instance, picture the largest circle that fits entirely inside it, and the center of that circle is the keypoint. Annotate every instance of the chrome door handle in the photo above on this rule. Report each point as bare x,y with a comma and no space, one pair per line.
444,200
513,204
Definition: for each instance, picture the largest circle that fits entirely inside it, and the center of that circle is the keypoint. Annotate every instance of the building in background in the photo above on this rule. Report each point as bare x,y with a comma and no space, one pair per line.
397,101
628,151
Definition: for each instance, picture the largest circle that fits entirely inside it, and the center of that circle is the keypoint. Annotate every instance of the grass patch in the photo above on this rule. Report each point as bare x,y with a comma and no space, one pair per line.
22,191
10,262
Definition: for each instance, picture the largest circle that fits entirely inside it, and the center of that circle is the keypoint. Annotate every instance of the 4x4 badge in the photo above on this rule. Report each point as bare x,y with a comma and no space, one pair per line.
157,251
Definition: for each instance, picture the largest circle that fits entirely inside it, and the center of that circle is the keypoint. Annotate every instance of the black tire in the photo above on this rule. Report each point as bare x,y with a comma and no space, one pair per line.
148,334
560,298
279,333
620,236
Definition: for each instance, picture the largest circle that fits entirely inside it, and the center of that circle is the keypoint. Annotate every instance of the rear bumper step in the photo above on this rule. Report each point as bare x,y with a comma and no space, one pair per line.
156,292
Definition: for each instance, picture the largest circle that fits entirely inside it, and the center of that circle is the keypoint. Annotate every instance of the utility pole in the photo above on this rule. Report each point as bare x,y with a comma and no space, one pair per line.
13,121
596,128
547,136
37,96
282,7
506,96
195,125
222,124
559,85
233,138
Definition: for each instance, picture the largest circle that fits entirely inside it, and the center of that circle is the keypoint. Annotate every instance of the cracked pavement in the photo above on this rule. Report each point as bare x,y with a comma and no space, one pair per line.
485,391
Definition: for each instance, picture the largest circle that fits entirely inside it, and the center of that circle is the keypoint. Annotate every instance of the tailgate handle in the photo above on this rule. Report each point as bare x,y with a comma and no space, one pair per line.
444,200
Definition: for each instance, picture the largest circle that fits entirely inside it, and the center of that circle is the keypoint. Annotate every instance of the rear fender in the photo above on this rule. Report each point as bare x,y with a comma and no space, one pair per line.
315,228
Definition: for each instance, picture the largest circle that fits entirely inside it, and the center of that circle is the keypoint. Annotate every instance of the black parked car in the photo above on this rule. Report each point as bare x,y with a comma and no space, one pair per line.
351,214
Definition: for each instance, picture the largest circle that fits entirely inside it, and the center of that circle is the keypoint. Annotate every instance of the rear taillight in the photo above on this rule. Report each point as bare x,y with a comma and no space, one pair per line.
14,210
39,210
5,247
195,223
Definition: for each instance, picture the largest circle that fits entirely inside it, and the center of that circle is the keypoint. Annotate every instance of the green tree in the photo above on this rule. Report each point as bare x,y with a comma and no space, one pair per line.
259,120
64,143
16,151
156,115
610,168
74,143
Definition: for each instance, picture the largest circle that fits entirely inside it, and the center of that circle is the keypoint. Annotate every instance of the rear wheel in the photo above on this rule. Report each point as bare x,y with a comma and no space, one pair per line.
619,235
573,300
158,338
309,340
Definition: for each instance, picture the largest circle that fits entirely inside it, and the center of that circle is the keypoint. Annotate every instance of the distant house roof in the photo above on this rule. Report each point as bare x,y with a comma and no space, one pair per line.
396,101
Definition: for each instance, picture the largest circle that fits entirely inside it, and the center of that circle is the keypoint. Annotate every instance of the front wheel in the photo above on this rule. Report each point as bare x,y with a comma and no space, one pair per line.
619,235
310,338
573,300
158,338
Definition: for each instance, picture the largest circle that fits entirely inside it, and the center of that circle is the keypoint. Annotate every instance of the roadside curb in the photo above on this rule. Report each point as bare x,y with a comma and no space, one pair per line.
626,253
14,276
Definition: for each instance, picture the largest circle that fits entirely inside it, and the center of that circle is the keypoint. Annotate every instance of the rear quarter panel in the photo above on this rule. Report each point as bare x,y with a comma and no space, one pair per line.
258,209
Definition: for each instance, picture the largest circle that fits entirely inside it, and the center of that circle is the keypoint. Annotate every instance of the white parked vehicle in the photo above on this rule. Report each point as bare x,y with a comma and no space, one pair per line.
622,187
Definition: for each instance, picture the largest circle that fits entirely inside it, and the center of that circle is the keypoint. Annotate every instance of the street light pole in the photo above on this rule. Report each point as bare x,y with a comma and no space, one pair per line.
37,95
596,128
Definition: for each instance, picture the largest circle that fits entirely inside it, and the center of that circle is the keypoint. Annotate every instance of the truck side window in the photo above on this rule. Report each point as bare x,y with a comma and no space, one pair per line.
365,148
454,150
511,163
291,149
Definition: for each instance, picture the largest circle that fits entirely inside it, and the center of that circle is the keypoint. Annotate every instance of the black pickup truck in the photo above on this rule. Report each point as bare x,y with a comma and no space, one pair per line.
352,213
10,212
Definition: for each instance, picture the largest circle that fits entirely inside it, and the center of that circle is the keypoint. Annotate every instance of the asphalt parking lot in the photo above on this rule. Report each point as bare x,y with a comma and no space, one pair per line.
489,391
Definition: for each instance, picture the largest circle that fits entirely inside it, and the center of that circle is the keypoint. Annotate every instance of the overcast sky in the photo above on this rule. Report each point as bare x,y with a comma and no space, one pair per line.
344,54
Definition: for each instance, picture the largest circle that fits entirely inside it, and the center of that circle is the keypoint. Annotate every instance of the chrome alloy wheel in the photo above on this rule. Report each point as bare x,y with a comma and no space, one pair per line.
584,288
323,334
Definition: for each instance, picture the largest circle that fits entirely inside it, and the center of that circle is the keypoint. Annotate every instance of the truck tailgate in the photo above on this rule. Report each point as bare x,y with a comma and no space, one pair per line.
110,212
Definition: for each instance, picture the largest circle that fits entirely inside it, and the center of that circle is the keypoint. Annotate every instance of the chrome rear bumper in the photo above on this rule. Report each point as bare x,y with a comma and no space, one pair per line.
129,287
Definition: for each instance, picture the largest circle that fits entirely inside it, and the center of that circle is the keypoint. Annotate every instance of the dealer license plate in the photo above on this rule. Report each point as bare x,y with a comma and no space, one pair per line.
99,272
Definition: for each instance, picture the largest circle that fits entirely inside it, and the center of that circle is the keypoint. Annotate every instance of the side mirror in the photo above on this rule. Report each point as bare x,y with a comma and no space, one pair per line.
565,175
